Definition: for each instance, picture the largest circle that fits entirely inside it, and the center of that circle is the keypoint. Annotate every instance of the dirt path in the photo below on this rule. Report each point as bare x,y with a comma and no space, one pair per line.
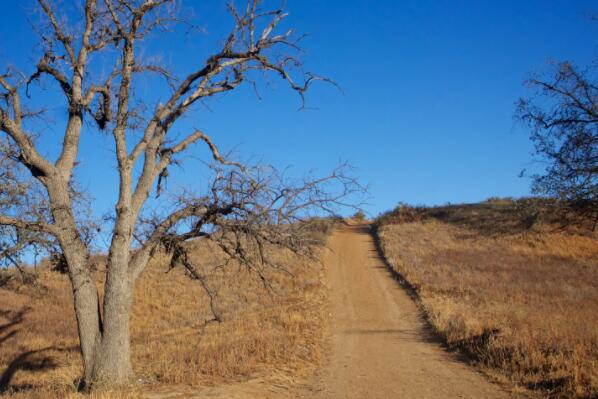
380,348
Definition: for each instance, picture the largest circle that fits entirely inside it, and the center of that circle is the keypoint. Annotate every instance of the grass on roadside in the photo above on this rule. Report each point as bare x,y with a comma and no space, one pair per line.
507,286
262,330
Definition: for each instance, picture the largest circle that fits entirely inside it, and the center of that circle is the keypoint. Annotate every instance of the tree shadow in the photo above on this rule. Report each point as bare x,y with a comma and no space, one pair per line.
29,360
14,319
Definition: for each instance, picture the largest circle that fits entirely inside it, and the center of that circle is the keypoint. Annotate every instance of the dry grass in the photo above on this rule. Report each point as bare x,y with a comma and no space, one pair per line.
516,294
262,330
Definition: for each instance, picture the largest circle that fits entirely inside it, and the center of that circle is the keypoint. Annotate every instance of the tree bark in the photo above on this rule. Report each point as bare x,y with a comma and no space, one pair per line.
88,323
85,293
112,365
105,341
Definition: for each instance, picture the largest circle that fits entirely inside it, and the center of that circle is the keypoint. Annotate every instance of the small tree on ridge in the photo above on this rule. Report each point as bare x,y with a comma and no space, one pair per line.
564,122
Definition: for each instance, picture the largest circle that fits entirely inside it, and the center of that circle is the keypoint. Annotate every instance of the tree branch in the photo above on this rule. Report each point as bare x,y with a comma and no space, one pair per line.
27,225
60,35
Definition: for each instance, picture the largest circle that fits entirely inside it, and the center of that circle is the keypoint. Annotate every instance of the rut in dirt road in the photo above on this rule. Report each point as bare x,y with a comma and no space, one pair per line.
380,347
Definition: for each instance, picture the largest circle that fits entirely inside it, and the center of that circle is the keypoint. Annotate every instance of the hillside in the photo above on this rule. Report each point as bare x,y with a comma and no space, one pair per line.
501,282
506,284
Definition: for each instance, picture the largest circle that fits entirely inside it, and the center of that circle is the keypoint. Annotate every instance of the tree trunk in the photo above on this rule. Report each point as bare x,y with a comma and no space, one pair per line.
85,293
105,343
104,338
85,296
112,364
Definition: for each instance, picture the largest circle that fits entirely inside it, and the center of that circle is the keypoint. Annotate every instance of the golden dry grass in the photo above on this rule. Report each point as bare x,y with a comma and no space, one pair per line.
262,330
520,298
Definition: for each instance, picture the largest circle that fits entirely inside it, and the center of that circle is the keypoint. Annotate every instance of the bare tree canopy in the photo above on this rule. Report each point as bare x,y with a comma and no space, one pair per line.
564,122
246,208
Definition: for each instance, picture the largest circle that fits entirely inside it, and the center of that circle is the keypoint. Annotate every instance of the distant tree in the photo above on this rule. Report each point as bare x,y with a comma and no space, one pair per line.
246,209
563,117
359,216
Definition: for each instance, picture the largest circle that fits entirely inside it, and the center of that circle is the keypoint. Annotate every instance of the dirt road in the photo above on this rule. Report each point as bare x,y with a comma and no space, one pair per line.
380,348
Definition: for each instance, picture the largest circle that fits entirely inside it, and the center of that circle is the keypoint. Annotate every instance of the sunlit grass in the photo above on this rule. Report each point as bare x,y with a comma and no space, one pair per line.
521,302
263,330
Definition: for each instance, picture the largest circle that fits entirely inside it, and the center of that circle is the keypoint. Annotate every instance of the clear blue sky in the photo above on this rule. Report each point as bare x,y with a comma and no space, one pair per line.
426,113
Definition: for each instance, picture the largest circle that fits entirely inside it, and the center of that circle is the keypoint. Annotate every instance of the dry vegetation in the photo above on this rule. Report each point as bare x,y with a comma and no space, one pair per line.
502,282
263,330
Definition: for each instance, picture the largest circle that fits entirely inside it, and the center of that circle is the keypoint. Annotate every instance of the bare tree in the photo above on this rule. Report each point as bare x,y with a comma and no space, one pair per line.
564,122
246,209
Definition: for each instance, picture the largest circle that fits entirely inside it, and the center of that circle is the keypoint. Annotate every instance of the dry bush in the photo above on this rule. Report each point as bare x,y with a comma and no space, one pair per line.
402,214
522,302
278,327
359,216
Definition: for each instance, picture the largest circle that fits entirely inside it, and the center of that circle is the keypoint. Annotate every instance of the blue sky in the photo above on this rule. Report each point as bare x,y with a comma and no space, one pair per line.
426,110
